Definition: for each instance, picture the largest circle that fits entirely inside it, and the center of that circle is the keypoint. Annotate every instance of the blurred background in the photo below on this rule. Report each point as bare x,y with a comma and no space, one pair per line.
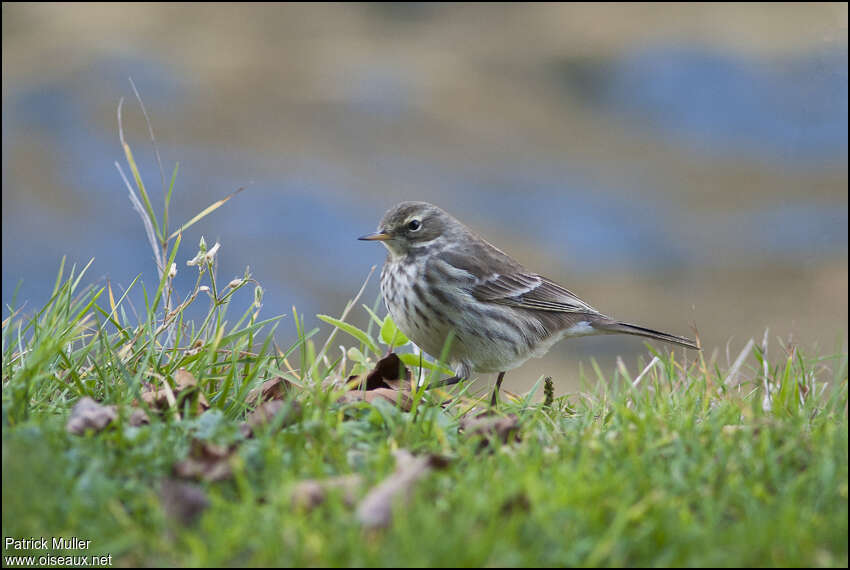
671,164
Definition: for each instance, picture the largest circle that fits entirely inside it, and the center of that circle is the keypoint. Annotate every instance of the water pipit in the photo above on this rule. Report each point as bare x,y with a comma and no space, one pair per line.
441,278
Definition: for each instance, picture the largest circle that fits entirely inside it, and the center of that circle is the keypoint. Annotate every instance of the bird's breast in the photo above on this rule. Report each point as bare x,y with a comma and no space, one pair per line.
420,309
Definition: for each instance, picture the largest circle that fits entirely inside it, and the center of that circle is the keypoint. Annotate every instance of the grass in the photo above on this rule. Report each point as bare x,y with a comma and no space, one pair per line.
691,464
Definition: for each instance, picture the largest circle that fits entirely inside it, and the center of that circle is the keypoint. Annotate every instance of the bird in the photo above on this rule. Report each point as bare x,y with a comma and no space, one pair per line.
440,280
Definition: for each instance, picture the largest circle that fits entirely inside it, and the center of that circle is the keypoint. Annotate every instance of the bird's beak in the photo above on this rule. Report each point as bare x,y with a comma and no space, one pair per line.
377,236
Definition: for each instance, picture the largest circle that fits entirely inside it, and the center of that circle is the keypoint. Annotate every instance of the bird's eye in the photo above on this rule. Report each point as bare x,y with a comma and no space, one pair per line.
414,225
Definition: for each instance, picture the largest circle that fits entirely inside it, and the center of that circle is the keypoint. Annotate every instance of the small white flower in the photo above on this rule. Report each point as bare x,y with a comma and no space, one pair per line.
203,255
197,260
208,257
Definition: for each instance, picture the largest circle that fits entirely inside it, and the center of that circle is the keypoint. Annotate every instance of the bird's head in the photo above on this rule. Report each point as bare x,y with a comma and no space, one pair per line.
411,224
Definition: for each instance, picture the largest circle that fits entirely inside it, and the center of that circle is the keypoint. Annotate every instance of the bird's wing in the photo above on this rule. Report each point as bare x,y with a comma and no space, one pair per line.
496,278
530,291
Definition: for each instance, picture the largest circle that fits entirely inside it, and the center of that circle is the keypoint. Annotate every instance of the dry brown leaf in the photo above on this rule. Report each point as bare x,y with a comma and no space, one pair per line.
267,411
138,417
89,415
185,386
183,501
184,379
397,397
389,380
382,382
311,493
202,403
375,510
207,461
245,429
274,389
156,399
486,425
386,374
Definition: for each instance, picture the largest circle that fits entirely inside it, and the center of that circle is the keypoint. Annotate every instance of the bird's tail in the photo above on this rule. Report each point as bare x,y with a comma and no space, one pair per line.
615,327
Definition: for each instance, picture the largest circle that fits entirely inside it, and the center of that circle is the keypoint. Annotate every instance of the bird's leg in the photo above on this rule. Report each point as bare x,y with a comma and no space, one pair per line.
447,382
496,389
